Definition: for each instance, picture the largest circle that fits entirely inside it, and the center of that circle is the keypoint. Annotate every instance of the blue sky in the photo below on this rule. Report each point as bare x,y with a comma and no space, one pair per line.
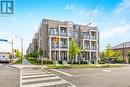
111,16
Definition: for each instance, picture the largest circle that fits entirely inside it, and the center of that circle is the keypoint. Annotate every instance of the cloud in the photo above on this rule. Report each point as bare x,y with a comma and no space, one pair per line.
123,6
115,31
69,7
80,10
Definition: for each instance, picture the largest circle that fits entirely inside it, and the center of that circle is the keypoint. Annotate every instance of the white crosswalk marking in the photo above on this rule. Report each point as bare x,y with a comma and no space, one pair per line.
46,84
36,76
39,78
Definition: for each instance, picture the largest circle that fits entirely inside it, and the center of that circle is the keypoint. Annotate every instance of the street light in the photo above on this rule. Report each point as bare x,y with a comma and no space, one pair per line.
21,46
123,52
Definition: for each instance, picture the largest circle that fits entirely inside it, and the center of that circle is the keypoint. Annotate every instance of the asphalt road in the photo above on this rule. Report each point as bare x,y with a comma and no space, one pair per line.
9,76
97,77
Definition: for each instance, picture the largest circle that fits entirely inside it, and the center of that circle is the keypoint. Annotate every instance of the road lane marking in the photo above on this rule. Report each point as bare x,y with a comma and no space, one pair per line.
36,76
20,77
45,81
40,79
106,70
46,84
33,73
67,74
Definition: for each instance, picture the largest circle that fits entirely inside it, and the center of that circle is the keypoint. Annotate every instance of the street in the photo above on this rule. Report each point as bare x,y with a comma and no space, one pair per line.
30,76
9,76
97,77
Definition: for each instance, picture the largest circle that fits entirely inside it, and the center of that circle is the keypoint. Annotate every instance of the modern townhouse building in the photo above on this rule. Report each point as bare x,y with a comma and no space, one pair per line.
33,45
124,48
86,36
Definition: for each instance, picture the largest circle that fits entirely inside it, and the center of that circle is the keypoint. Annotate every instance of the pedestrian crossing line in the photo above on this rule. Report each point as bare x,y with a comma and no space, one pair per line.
46,84
33,78
24,77
32,73
39,79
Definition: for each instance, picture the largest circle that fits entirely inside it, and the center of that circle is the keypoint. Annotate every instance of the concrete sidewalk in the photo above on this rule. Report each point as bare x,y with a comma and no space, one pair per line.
25,66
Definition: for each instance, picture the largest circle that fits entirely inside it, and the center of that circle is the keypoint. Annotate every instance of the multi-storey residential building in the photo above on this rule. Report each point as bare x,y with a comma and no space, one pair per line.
124,48
34,45
87,37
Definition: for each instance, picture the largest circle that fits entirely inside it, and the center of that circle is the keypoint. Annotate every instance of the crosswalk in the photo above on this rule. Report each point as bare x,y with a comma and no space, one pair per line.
41,78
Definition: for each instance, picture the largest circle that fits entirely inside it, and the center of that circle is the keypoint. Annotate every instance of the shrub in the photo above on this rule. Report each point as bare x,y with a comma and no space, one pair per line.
83,62
119,60
60,62
47,62
101,62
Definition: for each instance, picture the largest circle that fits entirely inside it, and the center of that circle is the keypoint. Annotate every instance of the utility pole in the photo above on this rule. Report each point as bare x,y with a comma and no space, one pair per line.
21,47
12,51
123,52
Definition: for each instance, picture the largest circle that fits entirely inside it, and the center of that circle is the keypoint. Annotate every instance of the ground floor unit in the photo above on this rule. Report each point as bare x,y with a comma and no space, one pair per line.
63,55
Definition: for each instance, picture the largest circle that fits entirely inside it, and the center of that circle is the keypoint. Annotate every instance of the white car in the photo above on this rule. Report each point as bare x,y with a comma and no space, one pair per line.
4,60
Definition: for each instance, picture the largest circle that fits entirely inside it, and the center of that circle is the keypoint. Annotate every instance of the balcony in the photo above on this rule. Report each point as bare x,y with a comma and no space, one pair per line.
63,33
54,33
54,45
93,37
87,47
85,35
93,47
63,45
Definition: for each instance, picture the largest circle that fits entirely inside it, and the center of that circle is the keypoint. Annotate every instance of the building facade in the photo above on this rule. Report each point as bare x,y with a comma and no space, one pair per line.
64,31
124,48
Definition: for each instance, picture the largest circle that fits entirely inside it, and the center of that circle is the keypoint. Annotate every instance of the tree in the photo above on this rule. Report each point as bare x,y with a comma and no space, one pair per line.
110,54
73,49
118,54
40,52
34,54
109,51
18,53
129,56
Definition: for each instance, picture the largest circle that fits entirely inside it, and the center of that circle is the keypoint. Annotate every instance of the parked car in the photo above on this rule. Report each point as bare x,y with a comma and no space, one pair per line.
4,60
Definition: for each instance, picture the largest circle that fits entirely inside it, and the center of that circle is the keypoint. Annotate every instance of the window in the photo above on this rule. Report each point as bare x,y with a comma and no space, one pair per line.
76,34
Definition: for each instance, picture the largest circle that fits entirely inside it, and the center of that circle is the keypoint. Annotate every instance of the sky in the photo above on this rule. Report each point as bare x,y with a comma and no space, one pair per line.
111,16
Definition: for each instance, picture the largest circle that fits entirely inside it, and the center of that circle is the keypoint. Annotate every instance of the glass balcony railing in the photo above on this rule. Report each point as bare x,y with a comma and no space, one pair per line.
63,45
54,45
87,47
93,37
86,37
63,33
93,47
54,33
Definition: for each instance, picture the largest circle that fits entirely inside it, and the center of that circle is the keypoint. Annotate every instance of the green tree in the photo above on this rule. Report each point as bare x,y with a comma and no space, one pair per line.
129,56
18,53
73,49
34,54
40,52
117,54
109,51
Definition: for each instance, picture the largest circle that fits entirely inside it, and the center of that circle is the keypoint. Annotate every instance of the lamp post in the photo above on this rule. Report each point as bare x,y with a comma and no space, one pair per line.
21,46
123,52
